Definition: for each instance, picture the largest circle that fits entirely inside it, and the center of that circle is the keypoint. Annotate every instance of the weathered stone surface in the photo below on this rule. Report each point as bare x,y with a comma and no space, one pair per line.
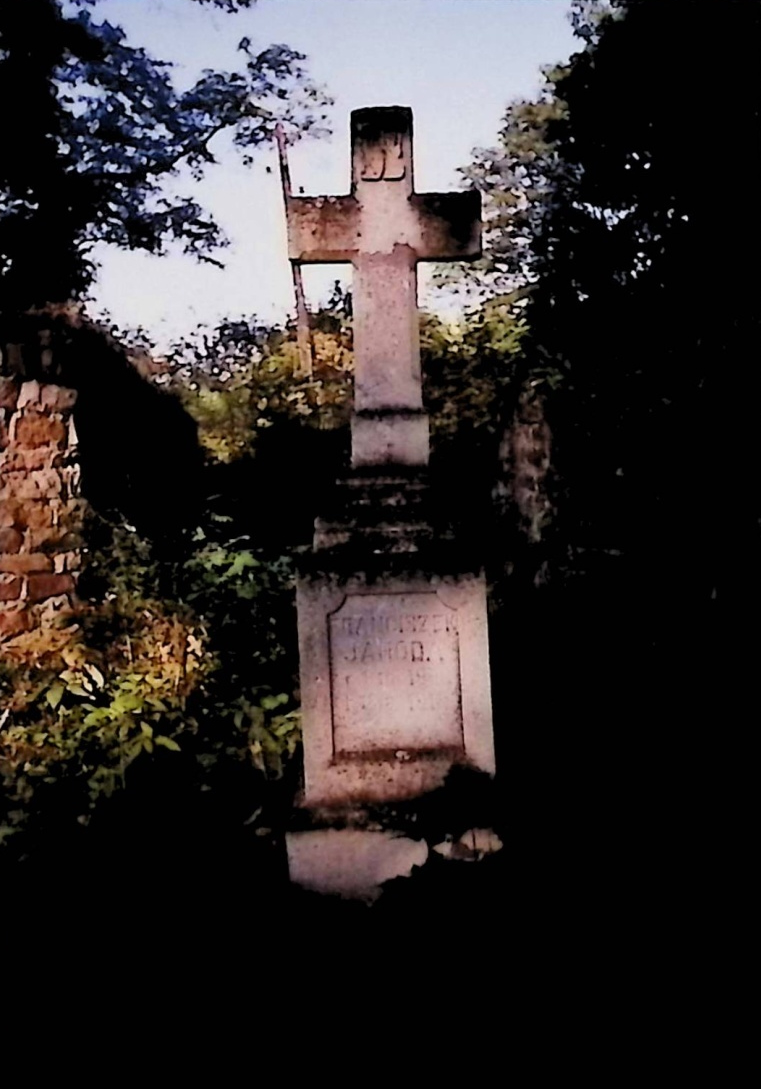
23,459
14,621
47,585
386,332
57,398
394,674
10,587
39,429
398,438
380,513
9,392
67,561
394,684
48,613
29,395
36,484
384,228
353,863
472,846
10,540
32,514
327,226
394,661
25,562
36,470
55,539
69,513
71,476
69,543
8,513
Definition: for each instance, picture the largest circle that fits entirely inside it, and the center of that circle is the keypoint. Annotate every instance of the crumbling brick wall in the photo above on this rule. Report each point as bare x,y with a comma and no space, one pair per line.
55,363
41,511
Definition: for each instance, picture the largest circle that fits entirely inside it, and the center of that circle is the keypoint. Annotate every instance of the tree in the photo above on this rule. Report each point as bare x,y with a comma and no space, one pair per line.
516,180
641,301
98,126
617,208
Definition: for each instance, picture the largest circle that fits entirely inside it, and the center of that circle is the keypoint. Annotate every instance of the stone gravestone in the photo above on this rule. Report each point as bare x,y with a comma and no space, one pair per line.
392,619
384,228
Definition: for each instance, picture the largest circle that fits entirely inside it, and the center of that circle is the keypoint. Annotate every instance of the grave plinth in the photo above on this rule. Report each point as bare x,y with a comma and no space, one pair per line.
393,645
394,682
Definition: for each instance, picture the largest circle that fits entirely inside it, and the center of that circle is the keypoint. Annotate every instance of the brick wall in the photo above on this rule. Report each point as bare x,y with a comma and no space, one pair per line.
40,508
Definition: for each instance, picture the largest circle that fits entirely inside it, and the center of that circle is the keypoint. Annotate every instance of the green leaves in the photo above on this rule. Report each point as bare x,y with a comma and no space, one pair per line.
141,675
103,128
272,741
269,703
54,694
167,743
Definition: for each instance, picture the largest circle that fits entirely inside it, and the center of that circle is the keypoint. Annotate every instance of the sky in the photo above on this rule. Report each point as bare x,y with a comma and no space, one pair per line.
457,63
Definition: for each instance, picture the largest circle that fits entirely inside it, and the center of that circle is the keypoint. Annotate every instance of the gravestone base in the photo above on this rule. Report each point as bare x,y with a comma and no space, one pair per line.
394,682
353,863
376,512
355,851
389,438
394,677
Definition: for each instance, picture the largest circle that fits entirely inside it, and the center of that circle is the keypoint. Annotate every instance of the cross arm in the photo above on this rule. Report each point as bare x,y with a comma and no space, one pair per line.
322,229
449,225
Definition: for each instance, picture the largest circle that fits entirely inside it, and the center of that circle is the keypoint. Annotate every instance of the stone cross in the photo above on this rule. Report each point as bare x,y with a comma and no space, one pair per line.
383,227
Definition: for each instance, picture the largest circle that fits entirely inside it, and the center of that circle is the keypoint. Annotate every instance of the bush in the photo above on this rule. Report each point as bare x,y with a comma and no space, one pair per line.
184,683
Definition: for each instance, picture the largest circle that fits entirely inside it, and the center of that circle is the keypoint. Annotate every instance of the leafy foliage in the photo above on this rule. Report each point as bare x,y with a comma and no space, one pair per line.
189,641
242,379
247,602
239,379
102,127
143,677
516,180
469,366
83,703
598,216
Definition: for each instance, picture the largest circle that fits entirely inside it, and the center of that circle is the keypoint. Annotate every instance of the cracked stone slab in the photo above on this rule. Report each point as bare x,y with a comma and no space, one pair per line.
352,863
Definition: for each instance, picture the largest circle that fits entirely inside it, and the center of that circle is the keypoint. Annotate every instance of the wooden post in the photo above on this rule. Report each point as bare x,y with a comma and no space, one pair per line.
302,314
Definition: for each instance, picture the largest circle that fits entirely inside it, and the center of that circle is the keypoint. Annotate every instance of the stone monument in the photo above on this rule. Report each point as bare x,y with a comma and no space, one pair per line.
393,639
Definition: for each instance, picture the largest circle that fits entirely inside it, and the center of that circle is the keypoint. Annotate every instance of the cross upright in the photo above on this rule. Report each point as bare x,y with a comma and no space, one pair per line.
383,227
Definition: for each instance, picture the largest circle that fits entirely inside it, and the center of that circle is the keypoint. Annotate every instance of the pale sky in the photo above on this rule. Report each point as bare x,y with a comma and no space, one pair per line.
457,63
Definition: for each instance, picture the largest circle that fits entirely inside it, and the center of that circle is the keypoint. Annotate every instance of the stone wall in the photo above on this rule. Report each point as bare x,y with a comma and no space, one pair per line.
526,454
40,508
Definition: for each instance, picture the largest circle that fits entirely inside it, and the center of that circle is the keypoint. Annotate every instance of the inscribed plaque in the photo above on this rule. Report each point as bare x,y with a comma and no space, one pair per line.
395,674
